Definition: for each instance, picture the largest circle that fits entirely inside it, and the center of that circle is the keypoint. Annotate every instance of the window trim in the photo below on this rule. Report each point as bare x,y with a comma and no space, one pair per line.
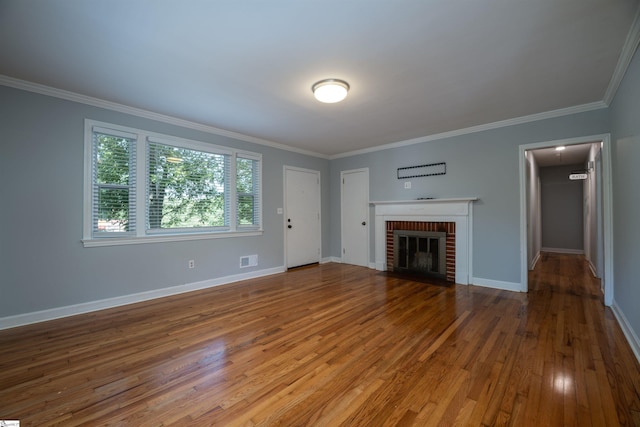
142,234
161,238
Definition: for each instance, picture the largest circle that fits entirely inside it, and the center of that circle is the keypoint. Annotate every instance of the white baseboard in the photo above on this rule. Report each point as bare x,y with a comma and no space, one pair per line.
72,310
592,268
534,261
496,284
564,251
627,330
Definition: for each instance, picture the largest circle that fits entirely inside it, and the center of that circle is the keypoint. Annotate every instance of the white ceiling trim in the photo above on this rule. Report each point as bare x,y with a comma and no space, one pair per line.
628,50
489,126
96,102
139,112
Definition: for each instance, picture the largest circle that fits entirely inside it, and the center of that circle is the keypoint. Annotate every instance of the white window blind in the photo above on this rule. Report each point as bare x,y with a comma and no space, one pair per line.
186,189
145,187
249,203
114,182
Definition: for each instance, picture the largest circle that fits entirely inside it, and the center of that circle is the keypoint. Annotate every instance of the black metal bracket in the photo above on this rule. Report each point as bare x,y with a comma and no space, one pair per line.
422,170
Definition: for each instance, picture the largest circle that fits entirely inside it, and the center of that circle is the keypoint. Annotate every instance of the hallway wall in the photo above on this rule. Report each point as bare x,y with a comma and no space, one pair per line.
562,210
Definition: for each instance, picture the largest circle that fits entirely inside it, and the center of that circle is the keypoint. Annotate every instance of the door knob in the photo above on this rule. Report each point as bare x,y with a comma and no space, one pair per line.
364,222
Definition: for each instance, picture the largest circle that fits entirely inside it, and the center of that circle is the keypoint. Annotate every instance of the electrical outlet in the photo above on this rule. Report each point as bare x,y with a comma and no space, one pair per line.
192,263
407,185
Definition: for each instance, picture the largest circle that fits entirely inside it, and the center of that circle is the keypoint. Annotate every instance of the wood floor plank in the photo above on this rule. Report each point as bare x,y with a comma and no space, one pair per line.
333,345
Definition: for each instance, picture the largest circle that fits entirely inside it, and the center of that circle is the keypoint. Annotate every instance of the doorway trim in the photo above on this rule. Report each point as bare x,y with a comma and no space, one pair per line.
607,208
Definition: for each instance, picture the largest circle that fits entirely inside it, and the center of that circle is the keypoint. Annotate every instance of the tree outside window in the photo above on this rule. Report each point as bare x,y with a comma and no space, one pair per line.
113,184
186,188
248,209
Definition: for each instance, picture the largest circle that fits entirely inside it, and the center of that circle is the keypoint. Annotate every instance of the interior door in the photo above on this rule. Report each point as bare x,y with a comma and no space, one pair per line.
302,216
355,217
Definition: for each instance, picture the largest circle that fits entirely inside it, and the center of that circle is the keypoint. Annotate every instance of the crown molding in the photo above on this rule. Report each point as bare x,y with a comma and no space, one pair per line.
139,112
96,102
473,129
628,50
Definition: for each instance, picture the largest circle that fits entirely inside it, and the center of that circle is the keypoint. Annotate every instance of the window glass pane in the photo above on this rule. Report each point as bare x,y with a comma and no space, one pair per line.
113,209
247,191
245,210
112,159
113,184
185,188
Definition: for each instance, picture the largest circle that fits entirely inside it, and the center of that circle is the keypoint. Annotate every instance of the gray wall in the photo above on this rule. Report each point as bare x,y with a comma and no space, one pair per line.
482,164
562,213
625,136
43,264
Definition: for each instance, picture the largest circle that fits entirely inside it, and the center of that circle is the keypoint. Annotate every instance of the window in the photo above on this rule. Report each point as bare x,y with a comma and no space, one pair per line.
247,178
113,176
186,189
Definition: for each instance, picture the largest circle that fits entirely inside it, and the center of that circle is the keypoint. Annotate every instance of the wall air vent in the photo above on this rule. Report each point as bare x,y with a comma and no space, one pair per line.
248,261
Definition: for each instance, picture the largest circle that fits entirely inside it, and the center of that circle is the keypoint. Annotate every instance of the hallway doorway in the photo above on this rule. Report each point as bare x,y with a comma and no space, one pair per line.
565,202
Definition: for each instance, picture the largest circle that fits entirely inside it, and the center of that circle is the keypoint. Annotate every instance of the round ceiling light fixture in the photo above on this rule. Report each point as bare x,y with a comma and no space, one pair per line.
330,90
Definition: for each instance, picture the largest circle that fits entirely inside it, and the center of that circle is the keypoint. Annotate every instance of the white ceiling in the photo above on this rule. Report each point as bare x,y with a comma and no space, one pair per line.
416,67
571,155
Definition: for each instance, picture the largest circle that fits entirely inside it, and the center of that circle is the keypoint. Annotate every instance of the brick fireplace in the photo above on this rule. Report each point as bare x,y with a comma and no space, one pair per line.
445,227
454,216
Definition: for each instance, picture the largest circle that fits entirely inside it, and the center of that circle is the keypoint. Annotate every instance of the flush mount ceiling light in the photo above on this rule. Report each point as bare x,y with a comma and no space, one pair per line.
330,90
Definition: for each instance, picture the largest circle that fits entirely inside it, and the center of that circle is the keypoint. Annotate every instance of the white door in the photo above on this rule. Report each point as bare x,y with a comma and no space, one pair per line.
355,217
302,216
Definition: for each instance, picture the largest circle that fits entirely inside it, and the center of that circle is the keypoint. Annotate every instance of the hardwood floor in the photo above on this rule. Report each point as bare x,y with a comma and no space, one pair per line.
333,345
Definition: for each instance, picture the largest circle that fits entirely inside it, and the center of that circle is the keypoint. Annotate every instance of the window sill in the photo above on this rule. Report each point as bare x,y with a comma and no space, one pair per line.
118,241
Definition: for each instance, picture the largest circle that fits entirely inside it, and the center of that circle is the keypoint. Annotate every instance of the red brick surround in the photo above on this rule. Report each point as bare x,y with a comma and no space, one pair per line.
447,227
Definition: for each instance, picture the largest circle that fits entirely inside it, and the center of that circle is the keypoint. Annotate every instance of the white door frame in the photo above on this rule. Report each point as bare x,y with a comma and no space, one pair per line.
284,216
607,208
368,232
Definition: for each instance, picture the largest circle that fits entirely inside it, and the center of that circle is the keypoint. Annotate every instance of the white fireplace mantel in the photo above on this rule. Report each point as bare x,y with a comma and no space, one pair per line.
459,210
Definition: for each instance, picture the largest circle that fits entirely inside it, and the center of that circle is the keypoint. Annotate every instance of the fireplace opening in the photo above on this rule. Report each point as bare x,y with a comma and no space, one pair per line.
420,252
